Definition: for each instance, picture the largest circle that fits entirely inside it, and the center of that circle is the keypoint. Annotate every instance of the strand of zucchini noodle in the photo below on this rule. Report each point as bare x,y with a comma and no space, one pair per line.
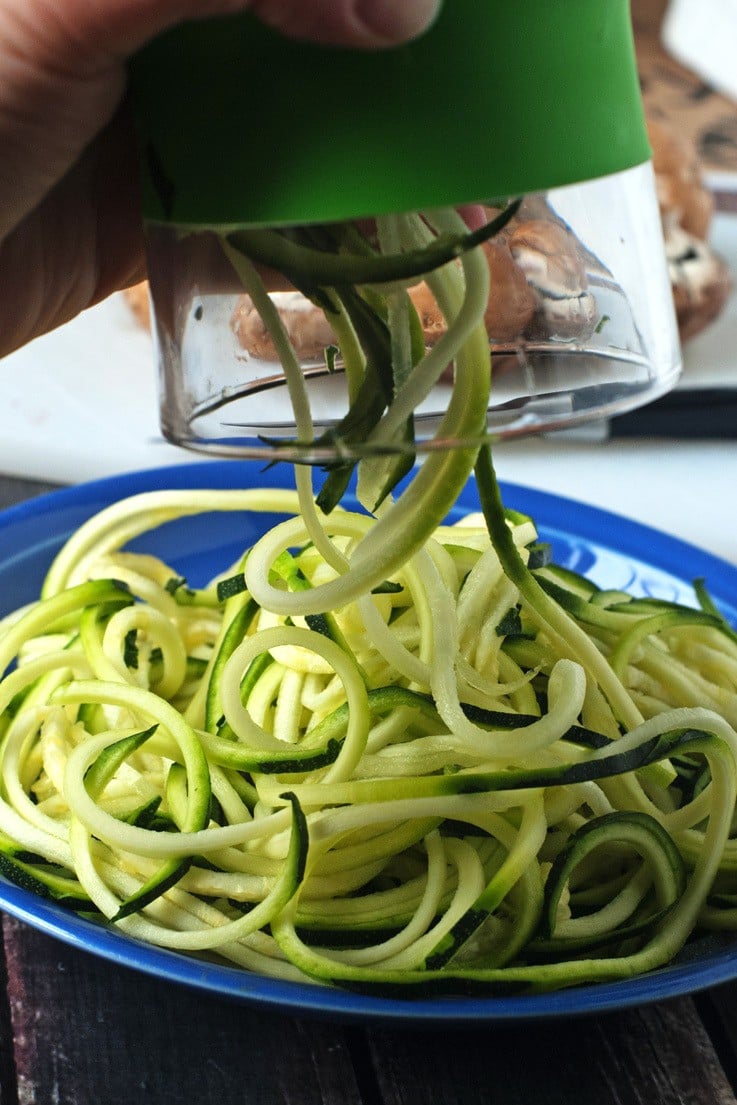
435,487
299,399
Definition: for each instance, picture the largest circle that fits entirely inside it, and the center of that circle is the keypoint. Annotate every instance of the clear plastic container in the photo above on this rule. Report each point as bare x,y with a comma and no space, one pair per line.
579,320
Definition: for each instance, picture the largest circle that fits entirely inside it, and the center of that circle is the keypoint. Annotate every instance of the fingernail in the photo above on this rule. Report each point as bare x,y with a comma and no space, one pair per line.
397,20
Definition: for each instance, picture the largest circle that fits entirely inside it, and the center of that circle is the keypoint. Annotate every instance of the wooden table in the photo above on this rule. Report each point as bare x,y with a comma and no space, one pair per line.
78,1030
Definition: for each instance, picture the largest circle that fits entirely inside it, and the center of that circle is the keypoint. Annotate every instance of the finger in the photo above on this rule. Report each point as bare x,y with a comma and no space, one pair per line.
83,241
361,23
122,27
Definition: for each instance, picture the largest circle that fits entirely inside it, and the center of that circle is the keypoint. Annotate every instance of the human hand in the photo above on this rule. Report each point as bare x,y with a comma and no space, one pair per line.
70,226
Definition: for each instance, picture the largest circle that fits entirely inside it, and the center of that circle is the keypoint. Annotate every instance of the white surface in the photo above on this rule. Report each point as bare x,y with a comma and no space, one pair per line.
81,403
710,359
686,489
703,35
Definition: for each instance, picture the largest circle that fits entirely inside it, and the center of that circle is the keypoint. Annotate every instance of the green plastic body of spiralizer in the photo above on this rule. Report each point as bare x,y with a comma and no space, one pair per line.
240,125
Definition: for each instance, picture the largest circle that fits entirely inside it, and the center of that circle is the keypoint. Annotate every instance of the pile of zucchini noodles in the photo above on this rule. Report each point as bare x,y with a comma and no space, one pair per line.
381,750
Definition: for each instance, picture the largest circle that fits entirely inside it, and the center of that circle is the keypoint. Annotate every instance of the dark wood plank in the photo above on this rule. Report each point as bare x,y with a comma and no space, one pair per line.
8,1087
718,1008
14,490
655,1056
87,1031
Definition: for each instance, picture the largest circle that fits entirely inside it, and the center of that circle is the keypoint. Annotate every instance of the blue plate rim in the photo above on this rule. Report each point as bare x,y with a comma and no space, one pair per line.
564,515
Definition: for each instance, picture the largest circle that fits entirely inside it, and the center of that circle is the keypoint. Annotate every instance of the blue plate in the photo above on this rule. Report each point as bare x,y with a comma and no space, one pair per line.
614,552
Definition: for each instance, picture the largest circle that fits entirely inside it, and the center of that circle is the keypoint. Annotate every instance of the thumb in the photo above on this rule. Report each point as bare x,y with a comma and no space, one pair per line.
361,23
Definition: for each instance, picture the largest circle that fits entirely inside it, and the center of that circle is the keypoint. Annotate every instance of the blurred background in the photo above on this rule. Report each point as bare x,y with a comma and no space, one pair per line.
681,45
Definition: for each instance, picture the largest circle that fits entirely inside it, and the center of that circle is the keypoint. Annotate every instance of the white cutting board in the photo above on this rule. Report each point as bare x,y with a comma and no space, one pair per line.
81,402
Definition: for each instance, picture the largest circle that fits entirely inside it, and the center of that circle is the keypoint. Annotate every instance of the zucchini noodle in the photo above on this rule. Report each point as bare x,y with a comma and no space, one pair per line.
381,830
379,750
